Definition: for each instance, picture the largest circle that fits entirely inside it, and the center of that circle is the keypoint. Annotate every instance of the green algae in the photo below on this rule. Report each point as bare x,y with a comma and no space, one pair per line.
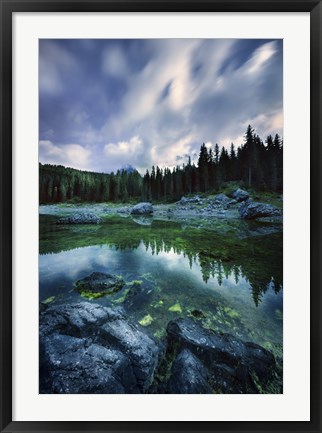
231,313
160,334
146,321
49,300
91,295
176,308
122,298
158,304
279,314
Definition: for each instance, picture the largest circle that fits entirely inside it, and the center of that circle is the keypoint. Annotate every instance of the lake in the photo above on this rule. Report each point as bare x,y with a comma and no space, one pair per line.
227,275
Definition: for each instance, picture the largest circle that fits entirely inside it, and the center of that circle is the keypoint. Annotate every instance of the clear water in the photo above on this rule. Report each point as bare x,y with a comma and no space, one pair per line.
232,283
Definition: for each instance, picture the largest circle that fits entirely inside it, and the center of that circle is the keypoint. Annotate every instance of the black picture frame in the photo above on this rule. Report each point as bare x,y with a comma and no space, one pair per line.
9,7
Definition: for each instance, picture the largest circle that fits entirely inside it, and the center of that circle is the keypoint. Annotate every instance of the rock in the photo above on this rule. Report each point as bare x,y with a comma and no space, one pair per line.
232,363
232,202
141,350
123,210
99,283
196,199
252,210
80,218
142,209
75,365
240,195
222,199
188,375
87,348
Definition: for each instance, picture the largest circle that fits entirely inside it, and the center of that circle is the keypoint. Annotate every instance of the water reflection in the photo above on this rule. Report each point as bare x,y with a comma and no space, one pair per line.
220,256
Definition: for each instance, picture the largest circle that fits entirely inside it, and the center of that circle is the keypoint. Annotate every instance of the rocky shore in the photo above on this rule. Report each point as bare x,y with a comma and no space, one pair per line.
239,206
87,348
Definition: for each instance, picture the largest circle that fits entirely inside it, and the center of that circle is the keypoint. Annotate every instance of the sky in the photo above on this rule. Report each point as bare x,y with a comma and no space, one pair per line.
105,104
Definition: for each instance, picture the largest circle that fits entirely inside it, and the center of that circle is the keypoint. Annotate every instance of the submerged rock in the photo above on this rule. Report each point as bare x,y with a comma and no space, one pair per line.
100,284
142,209
234,366
87,348
80,218
252,210
240,195
142,220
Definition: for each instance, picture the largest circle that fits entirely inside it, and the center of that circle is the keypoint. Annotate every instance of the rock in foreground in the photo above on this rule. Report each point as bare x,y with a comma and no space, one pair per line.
224,362
87,348
80,218
142,209
252,210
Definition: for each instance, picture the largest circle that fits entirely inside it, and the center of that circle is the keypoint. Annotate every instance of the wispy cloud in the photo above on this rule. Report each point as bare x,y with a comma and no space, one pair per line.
144,102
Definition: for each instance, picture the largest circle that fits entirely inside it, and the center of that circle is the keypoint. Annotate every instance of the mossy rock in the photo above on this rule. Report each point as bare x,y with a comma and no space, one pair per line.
99,284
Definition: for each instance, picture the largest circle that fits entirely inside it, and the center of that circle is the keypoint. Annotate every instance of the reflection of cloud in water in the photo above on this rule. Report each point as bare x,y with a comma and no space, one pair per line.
71,264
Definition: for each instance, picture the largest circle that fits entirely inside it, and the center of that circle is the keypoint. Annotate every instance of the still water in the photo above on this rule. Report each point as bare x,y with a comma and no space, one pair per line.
231,283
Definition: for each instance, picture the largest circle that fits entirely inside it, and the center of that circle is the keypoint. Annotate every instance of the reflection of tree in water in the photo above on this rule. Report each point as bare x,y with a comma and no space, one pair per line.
257,260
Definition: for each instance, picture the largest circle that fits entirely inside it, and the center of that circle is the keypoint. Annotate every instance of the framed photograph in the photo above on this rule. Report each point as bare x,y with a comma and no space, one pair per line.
160,216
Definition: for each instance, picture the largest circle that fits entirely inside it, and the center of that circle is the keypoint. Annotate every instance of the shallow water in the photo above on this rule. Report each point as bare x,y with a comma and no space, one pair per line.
232,283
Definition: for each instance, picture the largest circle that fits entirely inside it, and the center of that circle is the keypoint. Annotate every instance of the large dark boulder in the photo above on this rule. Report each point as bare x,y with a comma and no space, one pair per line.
77,366
188,375
139,348
142,209
80,218
99,283
240,195
252,210
234,366
87,348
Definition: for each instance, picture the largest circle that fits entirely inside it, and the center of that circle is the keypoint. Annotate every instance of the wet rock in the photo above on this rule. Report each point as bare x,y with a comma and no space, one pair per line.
99,283
188,375
75,365
87,348
141,350
142,209
80,218
240,195
232,363
252,210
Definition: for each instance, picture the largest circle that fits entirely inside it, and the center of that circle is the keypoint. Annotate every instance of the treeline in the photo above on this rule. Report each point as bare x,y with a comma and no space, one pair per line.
61,184
256,164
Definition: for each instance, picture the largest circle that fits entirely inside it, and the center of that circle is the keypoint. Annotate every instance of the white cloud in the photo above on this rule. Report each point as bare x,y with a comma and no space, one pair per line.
121,153
131,147
260,57
71,155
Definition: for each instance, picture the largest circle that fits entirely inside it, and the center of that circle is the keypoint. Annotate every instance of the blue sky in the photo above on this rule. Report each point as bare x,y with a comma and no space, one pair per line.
104,104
